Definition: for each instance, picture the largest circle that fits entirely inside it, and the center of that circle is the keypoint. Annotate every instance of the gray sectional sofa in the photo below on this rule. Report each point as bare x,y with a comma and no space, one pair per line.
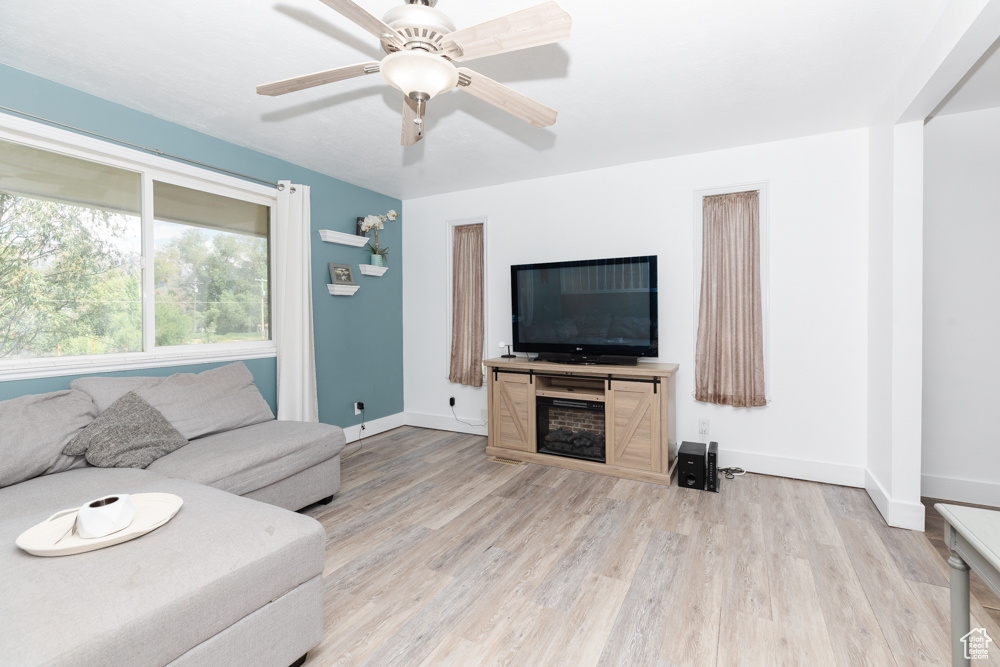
229,580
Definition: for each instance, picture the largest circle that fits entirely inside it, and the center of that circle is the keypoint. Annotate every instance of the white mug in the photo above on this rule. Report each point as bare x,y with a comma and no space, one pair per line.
104,516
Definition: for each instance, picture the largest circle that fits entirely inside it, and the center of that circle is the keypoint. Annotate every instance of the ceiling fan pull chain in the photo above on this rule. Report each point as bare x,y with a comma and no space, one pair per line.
420,99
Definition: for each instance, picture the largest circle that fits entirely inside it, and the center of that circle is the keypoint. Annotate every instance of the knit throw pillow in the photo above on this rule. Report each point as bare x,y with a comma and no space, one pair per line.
131,433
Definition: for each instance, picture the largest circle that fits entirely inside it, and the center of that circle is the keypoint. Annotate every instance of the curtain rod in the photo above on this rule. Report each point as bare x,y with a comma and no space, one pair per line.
734,192
155,151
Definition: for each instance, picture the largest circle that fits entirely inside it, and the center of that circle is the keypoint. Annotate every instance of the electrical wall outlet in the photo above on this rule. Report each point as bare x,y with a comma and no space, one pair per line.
358,407
702,427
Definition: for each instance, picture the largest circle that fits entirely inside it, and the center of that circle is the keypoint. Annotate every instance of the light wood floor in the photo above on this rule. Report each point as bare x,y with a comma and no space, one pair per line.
437,556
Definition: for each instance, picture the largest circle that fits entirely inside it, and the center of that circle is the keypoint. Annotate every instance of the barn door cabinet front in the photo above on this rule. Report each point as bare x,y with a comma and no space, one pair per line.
633,422
513,413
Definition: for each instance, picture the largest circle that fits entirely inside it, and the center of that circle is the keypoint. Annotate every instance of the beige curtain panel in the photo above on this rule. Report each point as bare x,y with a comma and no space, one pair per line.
729,361
467,306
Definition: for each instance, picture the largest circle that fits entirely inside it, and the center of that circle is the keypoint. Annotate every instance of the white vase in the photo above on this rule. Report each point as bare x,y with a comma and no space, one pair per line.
104,516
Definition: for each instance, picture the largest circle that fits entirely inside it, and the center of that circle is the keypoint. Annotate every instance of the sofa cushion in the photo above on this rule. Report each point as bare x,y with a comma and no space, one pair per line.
131,433
106,390
35,429
150,600
250,458
212,401
69,489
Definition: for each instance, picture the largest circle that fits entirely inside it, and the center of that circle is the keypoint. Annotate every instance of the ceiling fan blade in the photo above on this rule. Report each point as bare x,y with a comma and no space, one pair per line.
365,19
411,130
317,79
505,98
543,24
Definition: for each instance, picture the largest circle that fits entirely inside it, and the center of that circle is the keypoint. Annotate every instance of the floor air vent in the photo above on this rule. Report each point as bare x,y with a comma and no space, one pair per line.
504,459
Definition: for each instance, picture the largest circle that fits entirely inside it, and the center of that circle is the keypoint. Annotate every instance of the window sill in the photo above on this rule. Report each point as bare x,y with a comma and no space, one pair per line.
25,369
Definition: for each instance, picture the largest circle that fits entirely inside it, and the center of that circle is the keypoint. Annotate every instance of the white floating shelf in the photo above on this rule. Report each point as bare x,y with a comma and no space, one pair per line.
343,290
344,239
372,270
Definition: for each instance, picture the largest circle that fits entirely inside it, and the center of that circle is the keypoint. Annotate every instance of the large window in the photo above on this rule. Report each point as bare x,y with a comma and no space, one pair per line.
110,259
211,264
70,256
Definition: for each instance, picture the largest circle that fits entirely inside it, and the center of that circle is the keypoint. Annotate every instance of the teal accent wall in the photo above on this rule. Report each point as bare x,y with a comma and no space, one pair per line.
359,339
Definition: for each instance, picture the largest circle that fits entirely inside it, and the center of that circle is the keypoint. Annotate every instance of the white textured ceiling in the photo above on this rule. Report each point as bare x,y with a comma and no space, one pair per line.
638,80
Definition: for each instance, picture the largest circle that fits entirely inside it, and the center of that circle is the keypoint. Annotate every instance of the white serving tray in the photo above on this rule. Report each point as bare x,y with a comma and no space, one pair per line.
340,237
53,537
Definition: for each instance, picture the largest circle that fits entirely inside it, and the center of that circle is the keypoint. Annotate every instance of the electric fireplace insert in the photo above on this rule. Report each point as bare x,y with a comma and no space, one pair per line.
571,428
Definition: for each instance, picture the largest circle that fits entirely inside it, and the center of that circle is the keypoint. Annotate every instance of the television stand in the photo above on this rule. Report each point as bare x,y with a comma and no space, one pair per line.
586,359
605,419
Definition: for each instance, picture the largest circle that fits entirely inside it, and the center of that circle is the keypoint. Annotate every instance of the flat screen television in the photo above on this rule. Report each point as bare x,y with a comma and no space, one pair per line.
587,311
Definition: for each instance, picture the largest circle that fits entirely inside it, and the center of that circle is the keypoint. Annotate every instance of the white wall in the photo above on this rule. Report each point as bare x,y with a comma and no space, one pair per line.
896,255
961,391
895,311
903,508
880,196
815,426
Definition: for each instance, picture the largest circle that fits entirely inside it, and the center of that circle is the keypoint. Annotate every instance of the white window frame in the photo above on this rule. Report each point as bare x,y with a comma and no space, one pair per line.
763,202
150,168
450,242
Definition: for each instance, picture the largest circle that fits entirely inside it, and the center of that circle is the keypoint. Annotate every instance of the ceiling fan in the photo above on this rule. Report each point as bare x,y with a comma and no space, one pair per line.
422,43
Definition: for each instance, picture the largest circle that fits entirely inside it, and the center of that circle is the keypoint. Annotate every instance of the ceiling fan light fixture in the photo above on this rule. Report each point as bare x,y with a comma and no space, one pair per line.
416,72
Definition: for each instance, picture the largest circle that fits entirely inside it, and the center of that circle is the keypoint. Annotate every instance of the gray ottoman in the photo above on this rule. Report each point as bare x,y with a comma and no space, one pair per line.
227,581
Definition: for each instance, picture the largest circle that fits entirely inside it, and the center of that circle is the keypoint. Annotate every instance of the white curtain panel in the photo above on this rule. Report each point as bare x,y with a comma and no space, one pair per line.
293,316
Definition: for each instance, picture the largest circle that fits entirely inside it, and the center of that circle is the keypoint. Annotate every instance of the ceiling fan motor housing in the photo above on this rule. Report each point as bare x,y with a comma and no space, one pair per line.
420,25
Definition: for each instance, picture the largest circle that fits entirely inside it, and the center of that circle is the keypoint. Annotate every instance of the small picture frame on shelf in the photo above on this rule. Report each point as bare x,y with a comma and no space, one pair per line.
341,274
357,229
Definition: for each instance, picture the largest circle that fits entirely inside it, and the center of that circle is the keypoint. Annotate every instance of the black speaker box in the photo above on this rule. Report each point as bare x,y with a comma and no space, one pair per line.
691,464
712,481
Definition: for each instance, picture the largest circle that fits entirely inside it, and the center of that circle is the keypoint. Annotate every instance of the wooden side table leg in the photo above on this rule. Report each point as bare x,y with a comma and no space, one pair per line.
959,609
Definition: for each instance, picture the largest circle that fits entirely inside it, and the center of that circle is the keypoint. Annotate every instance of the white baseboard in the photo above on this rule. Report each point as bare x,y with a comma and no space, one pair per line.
960,490
780,466
423,420
443,423
906,515
375,427
898,513
877,492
